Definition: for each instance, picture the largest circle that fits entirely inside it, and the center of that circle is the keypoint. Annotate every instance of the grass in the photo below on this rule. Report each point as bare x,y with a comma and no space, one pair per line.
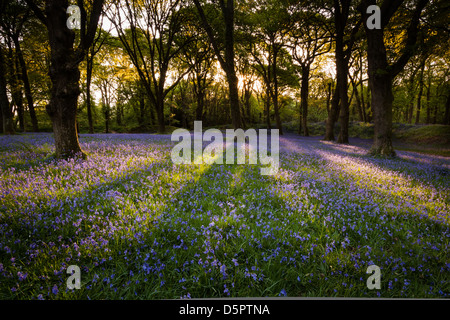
427,139
140,227
423,134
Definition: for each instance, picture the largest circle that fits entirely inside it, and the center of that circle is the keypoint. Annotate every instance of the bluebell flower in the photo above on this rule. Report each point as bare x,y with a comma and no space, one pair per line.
55,290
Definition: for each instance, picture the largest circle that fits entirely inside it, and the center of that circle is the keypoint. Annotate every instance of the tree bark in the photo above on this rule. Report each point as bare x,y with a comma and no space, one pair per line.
63,71
380,83
333,114
234,97
16,87
1,113
344,114
358,101
369,114
246,106
328,97
106,114
17,100
382,98
300,120
363,104
341,16
199,89
64,75
267,102
138,111
446,119
160,114
26,84
227,61
200,107
228,13
275,90
410,105
381,73
104,88
5,108
435,108
89,67
428,95
419,96
304,98
119,114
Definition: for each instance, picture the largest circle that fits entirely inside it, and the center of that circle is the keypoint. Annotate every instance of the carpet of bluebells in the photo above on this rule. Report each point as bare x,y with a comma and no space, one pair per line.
140,227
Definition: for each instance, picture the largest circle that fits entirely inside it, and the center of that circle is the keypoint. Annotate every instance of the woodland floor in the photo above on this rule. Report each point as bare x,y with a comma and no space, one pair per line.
140,227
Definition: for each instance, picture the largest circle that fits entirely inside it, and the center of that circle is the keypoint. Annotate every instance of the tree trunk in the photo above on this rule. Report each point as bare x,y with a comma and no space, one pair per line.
227,62
411,111
243,120
200,106
358,105
20,111
152,110
363,104
5,108
435,108
299,106
382,99
1,113
17,98
380,82
64,73
119,114
63,116
419,97
89,67
106,114
447,111
200,95
16,87
304,98
275,95
428,99
369,114
234,97
328,98
247,97
267,102
342,70
358,101
140,111
26,84
65,76
341,13
160,97
333,114
410,105
160,114
340,20
228,14
183,107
